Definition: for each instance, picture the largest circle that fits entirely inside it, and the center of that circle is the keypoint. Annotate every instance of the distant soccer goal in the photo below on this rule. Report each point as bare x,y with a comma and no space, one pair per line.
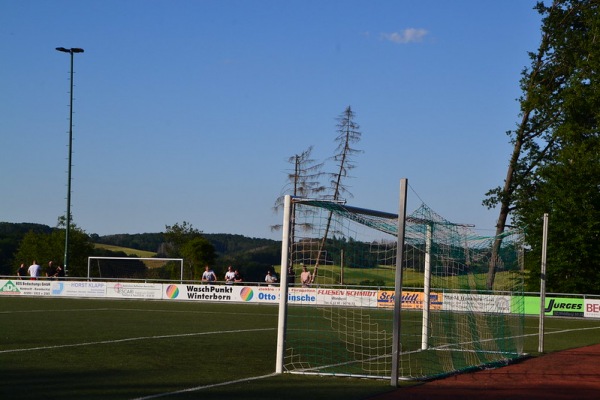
448,320
135,268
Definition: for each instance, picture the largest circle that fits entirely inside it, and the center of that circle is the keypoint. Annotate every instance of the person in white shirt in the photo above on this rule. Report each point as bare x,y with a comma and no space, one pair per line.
34,270
229,276
270,278
209,275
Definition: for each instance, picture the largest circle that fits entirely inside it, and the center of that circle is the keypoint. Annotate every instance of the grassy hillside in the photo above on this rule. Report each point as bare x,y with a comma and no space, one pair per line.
384,276
126,250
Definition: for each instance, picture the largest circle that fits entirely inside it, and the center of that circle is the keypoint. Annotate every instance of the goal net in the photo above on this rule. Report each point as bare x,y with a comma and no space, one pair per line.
135,268
449,320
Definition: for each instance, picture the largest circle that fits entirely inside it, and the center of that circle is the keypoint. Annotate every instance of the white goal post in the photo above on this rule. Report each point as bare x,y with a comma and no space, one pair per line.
140,259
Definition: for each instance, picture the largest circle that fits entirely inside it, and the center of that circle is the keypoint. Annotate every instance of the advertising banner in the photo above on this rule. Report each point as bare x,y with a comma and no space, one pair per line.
305,296
410,300
347,297
246,294
461,302
258,294
78,289
265,294
592,308
130,290
199,292
555,306
484,303
25,287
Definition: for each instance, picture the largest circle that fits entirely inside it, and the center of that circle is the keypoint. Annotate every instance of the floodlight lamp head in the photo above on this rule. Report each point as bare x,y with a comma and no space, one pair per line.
71,50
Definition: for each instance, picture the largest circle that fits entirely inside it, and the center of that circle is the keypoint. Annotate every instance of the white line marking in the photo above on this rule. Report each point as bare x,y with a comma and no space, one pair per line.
52,310
135,309
197,388
62,346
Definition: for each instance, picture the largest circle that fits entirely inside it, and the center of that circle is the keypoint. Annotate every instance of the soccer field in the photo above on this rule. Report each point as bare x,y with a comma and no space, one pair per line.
98,349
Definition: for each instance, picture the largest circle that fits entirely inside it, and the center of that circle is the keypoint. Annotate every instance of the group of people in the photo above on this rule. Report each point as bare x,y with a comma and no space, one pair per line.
231,276
34,271
305,276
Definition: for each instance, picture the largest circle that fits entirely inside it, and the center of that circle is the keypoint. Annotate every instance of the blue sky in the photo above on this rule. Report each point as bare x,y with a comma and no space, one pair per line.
188,110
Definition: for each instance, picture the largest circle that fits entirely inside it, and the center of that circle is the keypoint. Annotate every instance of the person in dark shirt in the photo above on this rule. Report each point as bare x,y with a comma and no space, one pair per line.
291,276
237,277
51,271
60,272
22,271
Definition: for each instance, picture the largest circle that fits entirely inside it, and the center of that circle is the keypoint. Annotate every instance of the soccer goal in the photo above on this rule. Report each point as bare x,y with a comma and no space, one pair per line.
135,268
362,260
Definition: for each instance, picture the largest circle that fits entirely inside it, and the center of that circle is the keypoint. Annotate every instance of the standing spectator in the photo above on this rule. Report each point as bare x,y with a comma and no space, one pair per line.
34,270
209,275
238,276
60,271
305,277
22,271
270,278
291,276
51,271
229,276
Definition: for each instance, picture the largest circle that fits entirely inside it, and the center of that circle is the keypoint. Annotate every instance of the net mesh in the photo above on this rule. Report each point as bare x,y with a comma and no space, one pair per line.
449,322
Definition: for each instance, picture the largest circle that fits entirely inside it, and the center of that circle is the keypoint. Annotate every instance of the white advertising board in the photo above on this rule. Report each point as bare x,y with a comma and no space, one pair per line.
19,287
78,289
591,308
199,292
347,297
125,290
302,295
235,293
476,303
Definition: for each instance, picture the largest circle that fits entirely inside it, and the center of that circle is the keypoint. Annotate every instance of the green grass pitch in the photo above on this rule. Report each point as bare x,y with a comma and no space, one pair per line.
97,349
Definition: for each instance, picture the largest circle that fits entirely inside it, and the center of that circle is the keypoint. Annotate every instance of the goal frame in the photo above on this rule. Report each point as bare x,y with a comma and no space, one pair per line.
282,321
90,258
428,340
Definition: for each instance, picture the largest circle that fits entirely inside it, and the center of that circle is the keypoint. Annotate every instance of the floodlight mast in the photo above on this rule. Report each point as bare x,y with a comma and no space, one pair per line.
71,51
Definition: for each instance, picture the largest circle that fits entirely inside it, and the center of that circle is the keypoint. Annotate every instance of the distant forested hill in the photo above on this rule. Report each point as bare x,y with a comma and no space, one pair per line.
224,243
138,241
8,229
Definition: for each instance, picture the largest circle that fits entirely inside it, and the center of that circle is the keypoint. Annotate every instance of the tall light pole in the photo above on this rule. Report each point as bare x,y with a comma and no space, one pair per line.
71,51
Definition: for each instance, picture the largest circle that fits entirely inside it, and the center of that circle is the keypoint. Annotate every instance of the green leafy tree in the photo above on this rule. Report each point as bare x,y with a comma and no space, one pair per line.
183,240
569,191
11,235
44,247
197,253
177,235
557,132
